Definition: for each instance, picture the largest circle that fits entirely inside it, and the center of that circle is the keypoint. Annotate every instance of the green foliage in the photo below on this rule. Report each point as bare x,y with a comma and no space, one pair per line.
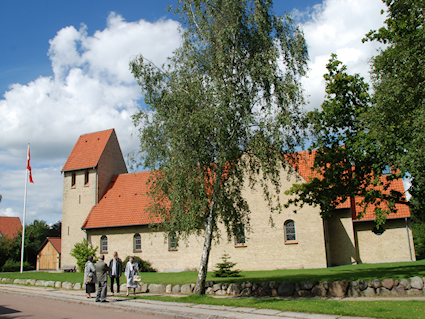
232,88
224,269
346,158
13,266
398,74
81,252
144,266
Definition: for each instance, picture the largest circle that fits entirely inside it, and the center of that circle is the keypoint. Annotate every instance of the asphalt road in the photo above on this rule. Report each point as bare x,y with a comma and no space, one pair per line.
33,307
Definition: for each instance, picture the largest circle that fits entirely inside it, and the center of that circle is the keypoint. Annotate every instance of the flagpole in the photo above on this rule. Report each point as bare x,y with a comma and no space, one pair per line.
25,212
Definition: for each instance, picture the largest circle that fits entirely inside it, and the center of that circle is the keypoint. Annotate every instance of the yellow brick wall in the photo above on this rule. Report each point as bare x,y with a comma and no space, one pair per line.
391,246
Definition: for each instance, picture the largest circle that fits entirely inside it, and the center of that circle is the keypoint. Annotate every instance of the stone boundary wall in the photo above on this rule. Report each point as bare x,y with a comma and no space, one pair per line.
376,287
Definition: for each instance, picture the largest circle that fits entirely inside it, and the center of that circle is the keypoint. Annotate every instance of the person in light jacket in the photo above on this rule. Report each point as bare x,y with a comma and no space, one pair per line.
90,272
131,269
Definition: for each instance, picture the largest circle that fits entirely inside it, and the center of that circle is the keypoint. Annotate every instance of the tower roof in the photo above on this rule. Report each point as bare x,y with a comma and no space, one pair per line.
87,151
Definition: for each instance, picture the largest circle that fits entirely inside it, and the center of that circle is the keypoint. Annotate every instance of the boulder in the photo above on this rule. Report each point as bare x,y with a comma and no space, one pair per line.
416,282
58,284
297,287
286,288
28,281
368,292
224,286
388,283
216,287
354,283
254,286
319,291
51,283
157,288
66,285
123,287
221,292
376,283
266,288
168,288
209,291
362,284
398,291
273,285
209,284
405,283
396,282
306,285
325,284
248,284
246,291
32,282
338,288
185,289
192,287
39,283
382,291
176,289
414,292
17,281
233,289
353,291
138,288
77,286
274,292
7,280
144,287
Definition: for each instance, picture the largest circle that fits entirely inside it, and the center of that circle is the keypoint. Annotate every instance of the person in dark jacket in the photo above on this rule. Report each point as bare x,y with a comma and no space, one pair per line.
102,277
115,271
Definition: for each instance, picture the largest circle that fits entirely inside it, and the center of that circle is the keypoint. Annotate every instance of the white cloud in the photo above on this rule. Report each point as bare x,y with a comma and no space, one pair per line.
338,26
92,89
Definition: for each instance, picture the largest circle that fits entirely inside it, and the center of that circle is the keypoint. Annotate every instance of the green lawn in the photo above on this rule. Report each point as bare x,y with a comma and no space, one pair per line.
376,309
349,272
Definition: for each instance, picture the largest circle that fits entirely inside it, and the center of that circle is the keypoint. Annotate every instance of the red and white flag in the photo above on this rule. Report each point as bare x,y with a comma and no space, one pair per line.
28,165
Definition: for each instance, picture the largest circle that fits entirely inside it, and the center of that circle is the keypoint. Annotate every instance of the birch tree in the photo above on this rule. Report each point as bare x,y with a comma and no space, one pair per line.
231,88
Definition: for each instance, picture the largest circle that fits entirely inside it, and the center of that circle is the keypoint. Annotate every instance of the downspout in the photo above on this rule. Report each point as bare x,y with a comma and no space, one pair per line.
408,239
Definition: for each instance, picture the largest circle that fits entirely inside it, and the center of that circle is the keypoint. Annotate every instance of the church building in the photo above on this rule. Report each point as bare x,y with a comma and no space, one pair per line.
106,205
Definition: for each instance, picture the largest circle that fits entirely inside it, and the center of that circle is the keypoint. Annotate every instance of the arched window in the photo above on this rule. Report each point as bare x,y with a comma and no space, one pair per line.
104,244
137,242
290,230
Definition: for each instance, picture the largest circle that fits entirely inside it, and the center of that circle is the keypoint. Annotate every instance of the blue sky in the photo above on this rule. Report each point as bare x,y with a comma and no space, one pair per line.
64,72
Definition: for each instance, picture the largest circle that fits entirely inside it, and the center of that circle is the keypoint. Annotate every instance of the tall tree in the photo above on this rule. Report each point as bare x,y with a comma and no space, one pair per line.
232,88
347,160
397,119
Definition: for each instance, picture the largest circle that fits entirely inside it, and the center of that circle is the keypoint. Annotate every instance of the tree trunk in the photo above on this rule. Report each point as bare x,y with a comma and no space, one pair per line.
203,268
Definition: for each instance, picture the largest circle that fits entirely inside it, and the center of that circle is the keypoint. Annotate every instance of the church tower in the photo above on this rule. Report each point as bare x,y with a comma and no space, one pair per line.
94,160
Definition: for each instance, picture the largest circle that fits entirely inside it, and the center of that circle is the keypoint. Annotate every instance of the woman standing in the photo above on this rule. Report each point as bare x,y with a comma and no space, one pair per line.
131,269
90,278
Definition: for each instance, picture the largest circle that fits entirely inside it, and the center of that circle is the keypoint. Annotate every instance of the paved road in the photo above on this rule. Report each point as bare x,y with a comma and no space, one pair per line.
17,301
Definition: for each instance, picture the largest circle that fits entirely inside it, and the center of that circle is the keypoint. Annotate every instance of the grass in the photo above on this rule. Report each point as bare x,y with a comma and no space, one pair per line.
377,309
349,272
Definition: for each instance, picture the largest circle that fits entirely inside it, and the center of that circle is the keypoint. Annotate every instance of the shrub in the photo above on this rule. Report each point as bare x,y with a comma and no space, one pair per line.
144,266
14,266
225,268
81,252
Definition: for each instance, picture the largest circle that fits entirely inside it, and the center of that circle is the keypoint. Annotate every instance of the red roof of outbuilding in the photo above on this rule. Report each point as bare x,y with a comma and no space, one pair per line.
56,242
87,151
10,226
125,203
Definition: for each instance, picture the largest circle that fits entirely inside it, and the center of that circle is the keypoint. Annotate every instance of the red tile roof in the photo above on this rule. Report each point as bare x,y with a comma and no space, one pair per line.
124,203
10,226
303,164
56,242
87,151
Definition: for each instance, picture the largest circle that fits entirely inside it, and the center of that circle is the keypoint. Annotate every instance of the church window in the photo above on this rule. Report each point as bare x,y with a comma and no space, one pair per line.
172,241
240,236
86,178
104,244
290,231
137,242
73,180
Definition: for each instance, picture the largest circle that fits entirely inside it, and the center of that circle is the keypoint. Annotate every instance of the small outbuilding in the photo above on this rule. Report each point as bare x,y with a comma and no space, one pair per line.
48,256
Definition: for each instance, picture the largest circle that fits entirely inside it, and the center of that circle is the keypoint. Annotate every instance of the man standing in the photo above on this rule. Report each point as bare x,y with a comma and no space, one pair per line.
102,277
115,270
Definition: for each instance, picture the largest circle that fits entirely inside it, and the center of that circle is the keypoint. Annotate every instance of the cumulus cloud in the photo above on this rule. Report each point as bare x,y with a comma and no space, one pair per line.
91,89
338,26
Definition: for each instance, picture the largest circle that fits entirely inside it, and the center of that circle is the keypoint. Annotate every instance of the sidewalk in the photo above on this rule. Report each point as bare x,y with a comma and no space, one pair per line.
174,309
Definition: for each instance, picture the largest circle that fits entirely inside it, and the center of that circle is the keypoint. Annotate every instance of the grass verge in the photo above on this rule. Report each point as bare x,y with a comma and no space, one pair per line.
377,309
